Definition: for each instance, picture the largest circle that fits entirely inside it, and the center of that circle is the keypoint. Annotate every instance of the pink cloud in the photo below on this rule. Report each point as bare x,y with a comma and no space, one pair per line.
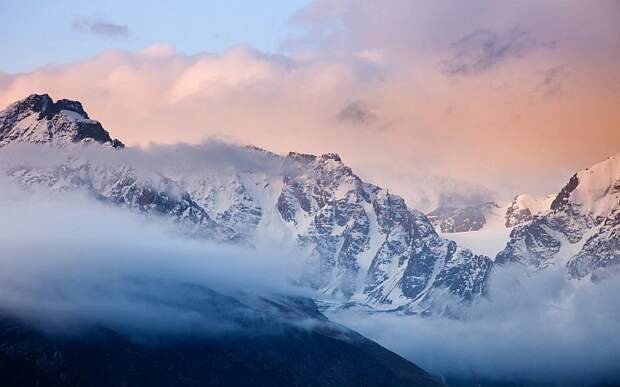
491,128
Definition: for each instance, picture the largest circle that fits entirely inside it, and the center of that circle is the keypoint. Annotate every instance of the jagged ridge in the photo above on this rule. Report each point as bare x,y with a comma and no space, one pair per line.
365,245
582,230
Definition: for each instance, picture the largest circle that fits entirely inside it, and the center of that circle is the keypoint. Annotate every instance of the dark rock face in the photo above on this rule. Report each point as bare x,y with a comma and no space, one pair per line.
516,216
461,219
562,199
67,104
601,250
534,244
460,271
37,119
370,246
267,348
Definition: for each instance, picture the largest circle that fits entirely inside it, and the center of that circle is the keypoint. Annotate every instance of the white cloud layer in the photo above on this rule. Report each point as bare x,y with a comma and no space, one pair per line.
540,328
69,261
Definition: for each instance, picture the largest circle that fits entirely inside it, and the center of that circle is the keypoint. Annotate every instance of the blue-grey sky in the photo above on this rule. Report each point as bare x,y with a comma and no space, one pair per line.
36,33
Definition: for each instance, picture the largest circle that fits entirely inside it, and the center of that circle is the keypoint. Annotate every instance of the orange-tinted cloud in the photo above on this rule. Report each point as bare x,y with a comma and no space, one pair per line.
522,122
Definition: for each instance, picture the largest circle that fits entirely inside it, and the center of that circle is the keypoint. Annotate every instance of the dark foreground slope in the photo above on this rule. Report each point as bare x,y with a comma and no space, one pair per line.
273,343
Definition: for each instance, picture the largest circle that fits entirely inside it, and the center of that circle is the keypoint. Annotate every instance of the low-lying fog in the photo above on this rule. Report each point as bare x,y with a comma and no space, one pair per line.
68,259
532,328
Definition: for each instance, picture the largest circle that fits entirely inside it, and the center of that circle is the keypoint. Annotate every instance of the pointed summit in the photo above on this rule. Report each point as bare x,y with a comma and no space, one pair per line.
38,119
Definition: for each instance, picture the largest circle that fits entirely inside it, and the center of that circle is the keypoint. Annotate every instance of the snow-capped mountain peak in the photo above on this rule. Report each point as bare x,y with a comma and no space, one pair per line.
38,119
582,229
593,191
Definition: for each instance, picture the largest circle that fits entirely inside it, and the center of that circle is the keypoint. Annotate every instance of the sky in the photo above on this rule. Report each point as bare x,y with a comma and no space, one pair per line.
70,30
478,98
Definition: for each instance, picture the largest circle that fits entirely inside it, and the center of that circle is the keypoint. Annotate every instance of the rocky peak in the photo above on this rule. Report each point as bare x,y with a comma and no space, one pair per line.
331,156
301,157
70,105
594,191
38,119
581,231
306,158
562,199
45,106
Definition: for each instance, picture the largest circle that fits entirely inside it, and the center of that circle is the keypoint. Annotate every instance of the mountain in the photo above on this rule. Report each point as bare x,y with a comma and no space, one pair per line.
54,148
363,244
276,341
38,119
582,229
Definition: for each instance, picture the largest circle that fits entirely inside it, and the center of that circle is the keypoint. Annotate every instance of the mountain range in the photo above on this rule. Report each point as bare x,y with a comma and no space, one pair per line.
362,245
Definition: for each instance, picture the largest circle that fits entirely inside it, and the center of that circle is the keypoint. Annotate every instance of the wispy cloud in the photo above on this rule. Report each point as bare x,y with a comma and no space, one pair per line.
553,80
483,49
100,27
357,113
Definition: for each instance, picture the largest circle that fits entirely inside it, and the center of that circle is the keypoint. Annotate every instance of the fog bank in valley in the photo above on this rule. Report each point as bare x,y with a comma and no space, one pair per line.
69,261
540,327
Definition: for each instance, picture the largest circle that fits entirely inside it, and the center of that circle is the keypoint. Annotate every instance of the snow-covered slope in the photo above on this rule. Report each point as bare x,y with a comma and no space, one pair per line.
524,208
491,238
485,228
361,243
582,229
597,189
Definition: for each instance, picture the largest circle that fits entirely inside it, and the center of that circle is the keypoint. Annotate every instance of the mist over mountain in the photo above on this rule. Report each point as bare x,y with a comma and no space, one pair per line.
204,242
360,243
310,193
108,290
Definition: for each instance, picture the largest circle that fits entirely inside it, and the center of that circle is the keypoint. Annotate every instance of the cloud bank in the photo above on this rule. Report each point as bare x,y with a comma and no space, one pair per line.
541,328
70,262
